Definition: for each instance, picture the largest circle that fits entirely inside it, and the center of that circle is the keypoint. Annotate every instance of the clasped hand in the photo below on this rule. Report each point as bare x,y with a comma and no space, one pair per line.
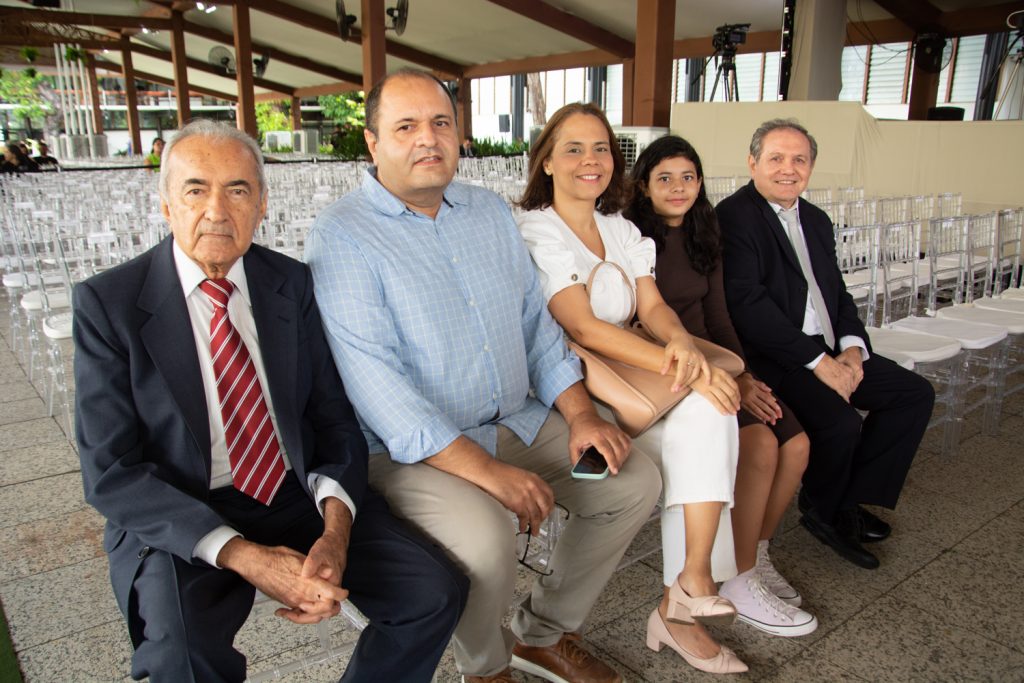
690,362
308,585
843,373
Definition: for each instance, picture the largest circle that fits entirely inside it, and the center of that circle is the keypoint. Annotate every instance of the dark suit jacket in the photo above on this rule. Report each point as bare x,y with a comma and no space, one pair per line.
141,419
766,290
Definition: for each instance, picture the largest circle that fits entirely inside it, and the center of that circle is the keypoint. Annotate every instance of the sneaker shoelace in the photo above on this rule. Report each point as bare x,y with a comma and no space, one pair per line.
769,600
769,574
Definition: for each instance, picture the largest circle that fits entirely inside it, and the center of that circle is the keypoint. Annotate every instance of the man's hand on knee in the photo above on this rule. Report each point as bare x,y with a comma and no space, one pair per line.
853,359
277,573
836,376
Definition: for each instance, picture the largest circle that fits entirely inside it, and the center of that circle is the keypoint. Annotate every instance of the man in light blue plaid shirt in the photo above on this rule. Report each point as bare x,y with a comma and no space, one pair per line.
437,323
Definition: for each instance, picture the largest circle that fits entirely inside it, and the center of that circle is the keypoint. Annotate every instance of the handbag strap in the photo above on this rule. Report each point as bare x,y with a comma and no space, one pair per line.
625,278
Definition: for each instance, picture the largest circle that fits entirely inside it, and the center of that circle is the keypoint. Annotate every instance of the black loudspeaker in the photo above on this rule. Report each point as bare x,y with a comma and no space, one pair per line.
504,123
946,114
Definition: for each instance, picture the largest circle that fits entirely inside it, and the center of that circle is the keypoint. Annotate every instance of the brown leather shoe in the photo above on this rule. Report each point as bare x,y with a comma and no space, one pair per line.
564,662
500,677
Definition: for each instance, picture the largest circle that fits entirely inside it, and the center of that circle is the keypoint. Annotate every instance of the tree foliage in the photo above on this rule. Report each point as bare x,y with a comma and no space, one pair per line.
21,88
271,116
347,109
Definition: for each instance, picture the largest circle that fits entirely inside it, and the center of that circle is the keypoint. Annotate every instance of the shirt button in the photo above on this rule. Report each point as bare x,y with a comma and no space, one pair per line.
487,347
575,277
455,259
494,396
472,302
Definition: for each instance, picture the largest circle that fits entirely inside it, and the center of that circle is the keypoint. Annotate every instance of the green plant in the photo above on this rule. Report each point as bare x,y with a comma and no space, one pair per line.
73,54
272,116
21,88
29,54
283,149
486,147
350,145
346,109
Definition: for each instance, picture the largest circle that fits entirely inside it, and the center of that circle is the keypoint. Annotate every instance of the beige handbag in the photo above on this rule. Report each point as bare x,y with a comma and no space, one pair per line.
636,396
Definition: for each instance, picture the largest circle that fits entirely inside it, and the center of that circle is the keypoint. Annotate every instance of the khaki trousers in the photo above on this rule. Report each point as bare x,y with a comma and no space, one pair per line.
479,535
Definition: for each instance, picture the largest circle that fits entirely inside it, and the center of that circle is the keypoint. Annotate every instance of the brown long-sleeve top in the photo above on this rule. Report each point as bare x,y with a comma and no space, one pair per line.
699,300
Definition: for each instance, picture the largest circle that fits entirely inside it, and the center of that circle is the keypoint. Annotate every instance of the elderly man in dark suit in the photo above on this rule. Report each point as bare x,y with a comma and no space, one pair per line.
216,438
802,335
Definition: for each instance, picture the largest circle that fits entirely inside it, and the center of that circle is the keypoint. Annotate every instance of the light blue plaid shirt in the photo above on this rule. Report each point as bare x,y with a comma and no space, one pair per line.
438,327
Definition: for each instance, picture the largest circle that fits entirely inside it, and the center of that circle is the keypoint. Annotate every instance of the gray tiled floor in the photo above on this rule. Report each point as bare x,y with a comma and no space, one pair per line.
943,606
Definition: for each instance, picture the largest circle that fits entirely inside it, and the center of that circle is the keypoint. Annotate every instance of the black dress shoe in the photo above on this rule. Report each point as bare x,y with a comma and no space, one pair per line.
844,537
872,528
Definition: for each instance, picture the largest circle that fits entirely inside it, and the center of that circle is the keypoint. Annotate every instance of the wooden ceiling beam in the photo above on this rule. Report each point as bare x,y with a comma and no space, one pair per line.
570,25
566,60
50,16
206,67
356,80
43,41
978,20
329,25
920,15
154,78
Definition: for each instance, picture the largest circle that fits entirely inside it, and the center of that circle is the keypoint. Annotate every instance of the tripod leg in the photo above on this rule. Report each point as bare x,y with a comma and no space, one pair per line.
718,74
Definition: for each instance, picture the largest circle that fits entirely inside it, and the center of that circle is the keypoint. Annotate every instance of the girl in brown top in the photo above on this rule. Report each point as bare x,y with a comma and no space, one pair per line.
671,206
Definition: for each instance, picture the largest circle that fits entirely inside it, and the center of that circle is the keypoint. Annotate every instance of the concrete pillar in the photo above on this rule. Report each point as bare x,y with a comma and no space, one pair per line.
818,38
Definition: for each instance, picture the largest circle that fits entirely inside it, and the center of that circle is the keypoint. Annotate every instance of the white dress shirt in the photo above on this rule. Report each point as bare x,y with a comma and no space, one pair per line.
812,324
200,311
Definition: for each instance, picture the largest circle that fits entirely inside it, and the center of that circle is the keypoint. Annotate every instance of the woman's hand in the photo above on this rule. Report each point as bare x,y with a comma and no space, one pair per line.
721,391
758,399
690,362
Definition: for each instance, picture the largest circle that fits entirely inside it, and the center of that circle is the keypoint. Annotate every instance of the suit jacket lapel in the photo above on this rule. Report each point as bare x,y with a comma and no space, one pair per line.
774,225
168,339
276,319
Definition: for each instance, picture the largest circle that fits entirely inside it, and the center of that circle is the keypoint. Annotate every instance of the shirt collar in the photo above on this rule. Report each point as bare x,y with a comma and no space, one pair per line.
388,204
191,275
777,208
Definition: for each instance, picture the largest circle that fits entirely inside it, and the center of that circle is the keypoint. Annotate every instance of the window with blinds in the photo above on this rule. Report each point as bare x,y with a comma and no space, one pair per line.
888,71
967,69
854,65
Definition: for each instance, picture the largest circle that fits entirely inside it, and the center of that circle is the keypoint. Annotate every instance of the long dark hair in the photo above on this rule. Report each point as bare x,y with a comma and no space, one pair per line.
540,188
701,236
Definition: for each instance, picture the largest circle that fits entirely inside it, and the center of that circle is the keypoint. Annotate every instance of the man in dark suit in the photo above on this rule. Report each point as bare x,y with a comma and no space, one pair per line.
802,335
216,438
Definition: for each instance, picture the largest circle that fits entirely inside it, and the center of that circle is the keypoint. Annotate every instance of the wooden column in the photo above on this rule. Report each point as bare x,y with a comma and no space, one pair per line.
374,56
246,113
924,91
655,33
180,59
465,108
627,92
94,91
296,113
131,96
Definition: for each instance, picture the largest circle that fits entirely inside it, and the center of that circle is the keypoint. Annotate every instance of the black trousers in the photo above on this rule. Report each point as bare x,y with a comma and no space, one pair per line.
183,617
855,460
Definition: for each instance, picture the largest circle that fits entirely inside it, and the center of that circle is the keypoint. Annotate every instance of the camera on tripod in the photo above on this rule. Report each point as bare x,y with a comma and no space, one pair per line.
729,36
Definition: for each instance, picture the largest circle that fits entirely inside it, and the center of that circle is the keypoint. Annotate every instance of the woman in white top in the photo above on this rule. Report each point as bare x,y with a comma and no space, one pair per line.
571,224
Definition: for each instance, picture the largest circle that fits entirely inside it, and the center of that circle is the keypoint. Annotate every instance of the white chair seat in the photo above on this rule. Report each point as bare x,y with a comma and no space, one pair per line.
58,326
14,280
1013,293
970,335
1003,305
33,301
918,348
1014,322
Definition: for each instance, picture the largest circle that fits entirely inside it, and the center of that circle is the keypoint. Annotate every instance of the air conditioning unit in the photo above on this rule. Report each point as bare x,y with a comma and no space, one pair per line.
277,139
306,141
634,139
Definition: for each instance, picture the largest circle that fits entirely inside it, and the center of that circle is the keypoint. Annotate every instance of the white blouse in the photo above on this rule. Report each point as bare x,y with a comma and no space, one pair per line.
563,260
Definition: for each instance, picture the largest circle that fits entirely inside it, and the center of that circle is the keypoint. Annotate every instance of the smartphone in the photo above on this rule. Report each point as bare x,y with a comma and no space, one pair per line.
591,465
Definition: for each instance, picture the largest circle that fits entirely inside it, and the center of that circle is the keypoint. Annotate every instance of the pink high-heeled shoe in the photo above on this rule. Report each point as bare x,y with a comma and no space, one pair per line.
707,609
725,662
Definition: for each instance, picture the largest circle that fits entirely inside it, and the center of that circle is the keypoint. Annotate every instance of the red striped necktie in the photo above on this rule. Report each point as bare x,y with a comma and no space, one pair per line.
257,465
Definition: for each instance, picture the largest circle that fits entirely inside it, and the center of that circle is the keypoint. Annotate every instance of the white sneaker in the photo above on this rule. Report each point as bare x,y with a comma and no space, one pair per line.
772,579
762,609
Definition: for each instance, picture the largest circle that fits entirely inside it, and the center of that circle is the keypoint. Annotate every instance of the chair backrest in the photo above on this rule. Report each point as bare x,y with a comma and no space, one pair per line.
1008,239
949,204
894,209
857,255
899,254
860,212
947,261
848,194
818,195
981,255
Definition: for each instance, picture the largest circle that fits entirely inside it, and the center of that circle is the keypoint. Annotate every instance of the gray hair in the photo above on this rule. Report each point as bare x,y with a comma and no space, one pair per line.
757,142
213,131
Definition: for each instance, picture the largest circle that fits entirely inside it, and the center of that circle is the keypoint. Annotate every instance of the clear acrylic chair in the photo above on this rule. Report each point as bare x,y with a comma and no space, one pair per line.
860,212
856,253
818,196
